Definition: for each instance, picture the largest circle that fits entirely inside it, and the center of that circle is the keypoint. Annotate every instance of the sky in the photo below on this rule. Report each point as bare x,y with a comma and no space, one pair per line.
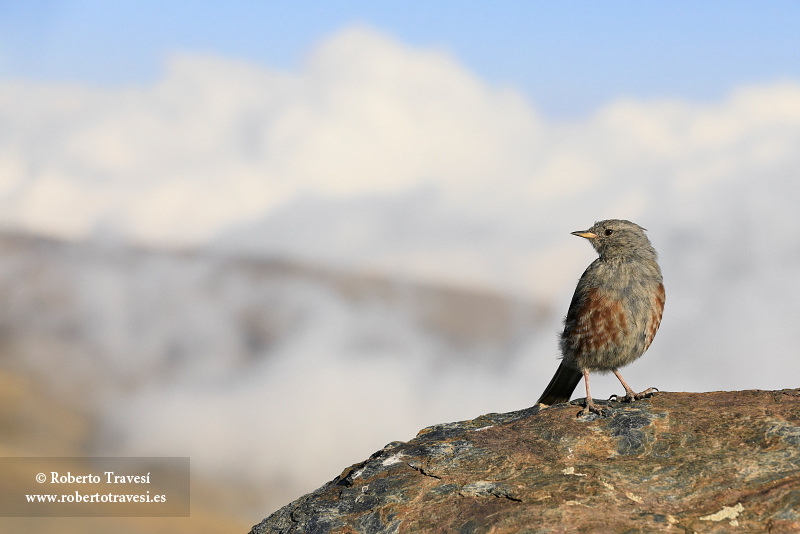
568,57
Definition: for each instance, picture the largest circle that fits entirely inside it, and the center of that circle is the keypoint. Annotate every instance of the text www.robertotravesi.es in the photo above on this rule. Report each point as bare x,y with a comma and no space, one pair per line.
110,497
95,479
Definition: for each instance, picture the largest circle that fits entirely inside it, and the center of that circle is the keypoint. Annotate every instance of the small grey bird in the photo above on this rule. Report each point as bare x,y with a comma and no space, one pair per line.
614,314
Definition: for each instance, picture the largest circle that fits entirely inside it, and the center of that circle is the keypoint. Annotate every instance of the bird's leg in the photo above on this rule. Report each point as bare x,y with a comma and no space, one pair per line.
590,406
630,396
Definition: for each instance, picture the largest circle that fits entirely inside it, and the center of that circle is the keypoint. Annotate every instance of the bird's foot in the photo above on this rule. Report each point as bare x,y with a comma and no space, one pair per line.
646,394
591,407
630,396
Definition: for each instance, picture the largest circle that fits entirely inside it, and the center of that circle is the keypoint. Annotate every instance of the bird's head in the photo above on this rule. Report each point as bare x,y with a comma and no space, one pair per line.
617,237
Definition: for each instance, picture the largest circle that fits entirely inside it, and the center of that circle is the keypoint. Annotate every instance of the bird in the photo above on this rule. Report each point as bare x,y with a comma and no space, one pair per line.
614,314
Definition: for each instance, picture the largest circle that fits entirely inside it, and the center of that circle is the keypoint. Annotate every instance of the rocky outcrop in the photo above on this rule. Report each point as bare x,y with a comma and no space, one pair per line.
677,462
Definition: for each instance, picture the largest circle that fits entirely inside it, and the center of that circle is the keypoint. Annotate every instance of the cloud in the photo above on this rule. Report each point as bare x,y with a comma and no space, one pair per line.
218,142
381,157
218,145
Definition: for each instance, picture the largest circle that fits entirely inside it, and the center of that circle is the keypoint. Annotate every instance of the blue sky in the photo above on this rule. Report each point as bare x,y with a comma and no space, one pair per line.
567,57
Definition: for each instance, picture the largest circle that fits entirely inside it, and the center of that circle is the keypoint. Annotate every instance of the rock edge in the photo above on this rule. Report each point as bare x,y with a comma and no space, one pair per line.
677,462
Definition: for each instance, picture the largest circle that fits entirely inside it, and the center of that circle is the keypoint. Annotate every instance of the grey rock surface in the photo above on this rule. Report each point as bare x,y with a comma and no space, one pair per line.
678,462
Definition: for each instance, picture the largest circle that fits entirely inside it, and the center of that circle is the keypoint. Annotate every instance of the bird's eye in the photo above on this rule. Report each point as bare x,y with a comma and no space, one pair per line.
608,232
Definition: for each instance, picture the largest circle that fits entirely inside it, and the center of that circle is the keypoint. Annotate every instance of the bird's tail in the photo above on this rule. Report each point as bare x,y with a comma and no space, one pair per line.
561,386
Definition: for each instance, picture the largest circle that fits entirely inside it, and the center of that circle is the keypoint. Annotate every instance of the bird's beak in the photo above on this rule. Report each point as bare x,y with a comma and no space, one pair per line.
585,233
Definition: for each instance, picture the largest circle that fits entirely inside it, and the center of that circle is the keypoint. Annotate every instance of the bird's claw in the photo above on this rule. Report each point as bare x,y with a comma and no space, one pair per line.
646,394
630,396
591,407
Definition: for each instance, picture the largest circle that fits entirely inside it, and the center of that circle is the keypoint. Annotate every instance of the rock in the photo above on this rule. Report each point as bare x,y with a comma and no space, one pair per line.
677,462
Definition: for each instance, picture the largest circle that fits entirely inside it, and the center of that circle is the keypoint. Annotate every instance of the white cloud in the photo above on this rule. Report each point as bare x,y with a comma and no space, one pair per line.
386,158
218,144
383,157
393,159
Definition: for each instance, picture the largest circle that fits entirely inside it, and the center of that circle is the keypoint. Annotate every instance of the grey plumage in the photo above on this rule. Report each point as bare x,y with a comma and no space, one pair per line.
615,311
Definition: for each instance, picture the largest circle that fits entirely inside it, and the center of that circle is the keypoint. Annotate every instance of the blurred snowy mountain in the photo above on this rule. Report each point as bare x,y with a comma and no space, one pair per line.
224,358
